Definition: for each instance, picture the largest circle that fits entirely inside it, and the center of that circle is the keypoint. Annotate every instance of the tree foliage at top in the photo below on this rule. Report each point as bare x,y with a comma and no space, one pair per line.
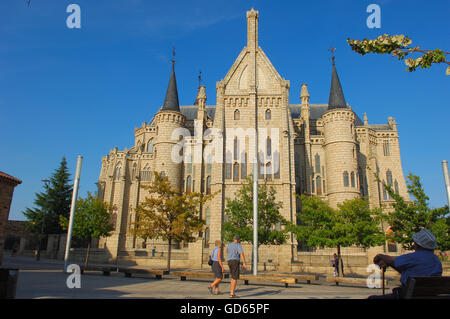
353,223
52,203
409,217
168,214
399,46
92,218
239,216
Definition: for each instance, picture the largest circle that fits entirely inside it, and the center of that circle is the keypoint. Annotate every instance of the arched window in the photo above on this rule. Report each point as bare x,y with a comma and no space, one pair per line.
319,185
386,150
207,216
235,172
396,187
384,192
209,165
188,184
389,180
269,146
269,171
134,171
189,164
244,165
313,186
389,177
352,178
150,146
298,187
237,115
236,149
346,183
146,174
268,114
118,171
163,174
276,165
208,185
228,165
317,162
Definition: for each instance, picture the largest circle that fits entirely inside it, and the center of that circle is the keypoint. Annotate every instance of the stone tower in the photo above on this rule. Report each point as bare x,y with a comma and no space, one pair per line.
340,146
167,121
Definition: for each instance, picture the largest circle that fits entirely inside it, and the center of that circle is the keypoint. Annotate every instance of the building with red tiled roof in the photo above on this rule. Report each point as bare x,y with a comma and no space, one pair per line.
7,185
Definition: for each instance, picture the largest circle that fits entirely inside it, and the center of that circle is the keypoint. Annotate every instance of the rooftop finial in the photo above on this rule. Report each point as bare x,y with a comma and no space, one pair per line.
199,78
173,55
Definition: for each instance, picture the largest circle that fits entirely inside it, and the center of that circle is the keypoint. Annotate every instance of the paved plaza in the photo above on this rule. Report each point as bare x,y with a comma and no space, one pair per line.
45,279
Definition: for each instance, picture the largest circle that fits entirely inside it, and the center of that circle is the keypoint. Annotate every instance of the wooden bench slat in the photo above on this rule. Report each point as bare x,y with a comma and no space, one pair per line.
351,280
250,278
192,274
432,287
428,291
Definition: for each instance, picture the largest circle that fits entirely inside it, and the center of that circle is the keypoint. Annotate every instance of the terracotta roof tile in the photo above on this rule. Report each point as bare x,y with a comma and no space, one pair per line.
9,177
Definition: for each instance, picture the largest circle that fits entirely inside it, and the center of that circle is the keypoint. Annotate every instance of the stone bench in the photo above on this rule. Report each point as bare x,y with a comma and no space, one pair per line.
195,274
128,271
106,270
267,278
351,280
297,277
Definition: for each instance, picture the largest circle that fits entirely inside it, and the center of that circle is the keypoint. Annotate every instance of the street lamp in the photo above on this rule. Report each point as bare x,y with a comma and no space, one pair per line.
38,255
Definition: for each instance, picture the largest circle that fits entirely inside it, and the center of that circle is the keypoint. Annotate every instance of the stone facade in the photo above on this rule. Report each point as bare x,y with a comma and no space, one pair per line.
7,185
317,149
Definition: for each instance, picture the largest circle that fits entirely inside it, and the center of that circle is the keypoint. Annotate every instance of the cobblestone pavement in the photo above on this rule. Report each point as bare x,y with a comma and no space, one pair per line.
45,279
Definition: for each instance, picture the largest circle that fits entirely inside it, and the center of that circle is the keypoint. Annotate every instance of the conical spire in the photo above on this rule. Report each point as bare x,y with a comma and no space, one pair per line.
171,102
337,99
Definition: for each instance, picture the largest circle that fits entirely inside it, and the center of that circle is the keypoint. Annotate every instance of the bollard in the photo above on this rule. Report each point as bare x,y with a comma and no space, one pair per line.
8,283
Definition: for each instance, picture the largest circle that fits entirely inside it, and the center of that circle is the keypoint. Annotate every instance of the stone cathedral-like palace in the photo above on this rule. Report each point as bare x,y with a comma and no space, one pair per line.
317,149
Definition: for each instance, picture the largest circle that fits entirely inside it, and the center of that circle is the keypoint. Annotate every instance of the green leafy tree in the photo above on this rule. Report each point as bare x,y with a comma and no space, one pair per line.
352,223
400,46
92,220
168,214
272,228
52,203
409,217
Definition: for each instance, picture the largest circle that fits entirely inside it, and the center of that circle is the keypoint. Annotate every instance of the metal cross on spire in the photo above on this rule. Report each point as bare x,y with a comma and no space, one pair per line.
199,78
173,55
332,50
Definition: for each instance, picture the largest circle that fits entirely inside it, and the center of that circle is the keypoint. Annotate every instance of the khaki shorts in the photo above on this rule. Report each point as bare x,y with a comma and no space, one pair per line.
234,268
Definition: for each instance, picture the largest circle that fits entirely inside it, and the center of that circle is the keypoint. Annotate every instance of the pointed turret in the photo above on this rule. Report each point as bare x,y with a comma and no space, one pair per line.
337,99
171,102
304,95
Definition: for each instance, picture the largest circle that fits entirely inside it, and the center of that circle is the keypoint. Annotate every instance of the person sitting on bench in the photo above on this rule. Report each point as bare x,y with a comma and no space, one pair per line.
422,262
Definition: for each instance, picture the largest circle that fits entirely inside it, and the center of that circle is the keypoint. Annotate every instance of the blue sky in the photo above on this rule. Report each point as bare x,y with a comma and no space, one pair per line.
69,92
